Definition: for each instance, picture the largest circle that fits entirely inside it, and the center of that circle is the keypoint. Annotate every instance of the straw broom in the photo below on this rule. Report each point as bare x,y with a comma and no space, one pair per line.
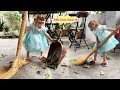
8,72
81,60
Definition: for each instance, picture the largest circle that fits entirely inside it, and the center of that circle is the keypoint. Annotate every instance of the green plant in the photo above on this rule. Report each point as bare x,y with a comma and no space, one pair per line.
2,26
61,26
81,25
6,28
15,27
64,24
13,15
99,12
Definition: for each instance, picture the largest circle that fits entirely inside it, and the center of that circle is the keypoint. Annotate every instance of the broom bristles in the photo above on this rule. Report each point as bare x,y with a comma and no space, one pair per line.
8,72
80,61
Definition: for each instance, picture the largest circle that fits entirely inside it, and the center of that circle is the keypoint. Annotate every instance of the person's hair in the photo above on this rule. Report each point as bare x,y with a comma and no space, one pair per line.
93,22
39,17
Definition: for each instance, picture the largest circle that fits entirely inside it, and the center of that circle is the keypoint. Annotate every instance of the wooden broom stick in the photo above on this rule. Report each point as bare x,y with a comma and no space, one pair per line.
22,31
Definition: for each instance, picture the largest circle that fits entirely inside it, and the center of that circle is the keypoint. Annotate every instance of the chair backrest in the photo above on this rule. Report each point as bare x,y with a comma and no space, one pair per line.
71,33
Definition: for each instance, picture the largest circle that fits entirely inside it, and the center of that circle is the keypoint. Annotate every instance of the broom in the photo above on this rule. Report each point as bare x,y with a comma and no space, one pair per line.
81,60
8,72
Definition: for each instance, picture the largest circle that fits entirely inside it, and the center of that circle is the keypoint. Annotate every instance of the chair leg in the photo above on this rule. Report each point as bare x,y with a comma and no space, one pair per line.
70,45
74,42
85,42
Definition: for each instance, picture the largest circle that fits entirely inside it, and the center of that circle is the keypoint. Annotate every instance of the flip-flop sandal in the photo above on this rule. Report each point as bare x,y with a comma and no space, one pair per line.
27,59
104,64
92,62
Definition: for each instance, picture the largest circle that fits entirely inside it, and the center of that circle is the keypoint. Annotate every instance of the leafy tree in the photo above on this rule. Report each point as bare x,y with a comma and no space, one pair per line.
15,17
99,12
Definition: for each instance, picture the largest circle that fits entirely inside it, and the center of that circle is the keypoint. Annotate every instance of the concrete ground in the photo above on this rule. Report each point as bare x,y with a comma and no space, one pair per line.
34,69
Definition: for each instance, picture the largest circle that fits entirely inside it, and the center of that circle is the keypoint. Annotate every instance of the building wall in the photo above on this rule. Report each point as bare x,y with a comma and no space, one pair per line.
117,18
111,19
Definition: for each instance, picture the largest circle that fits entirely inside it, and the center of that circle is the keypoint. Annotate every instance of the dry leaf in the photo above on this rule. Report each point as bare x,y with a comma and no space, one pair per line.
44,66
101,73
47,76
64,65
72,60
76,73
117,58
3,55
108,58
86,66
38,72
34,67
33,56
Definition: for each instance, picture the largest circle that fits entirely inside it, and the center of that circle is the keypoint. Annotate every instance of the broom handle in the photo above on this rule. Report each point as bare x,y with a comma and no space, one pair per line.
105,40
22,30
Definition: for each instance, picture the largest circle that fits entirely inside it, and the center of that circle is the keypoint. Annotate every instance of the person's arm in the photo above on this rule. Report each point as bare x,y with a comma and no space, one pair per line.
48,36
111,29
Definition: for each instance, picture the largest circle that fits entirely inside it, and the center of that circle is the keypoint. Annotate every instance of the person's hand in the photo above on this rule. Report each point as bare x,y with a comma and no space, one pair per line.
53,40
117,29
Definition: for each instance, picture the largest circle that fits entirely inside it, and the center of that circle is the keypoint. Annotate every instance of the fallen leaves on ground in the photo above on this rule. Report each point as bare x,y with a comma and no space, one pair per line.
44,66
3,55
34,67
38,72
86,66
76,72
47,76
33,56
64,65
108,58
117,58
101,73
73,60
